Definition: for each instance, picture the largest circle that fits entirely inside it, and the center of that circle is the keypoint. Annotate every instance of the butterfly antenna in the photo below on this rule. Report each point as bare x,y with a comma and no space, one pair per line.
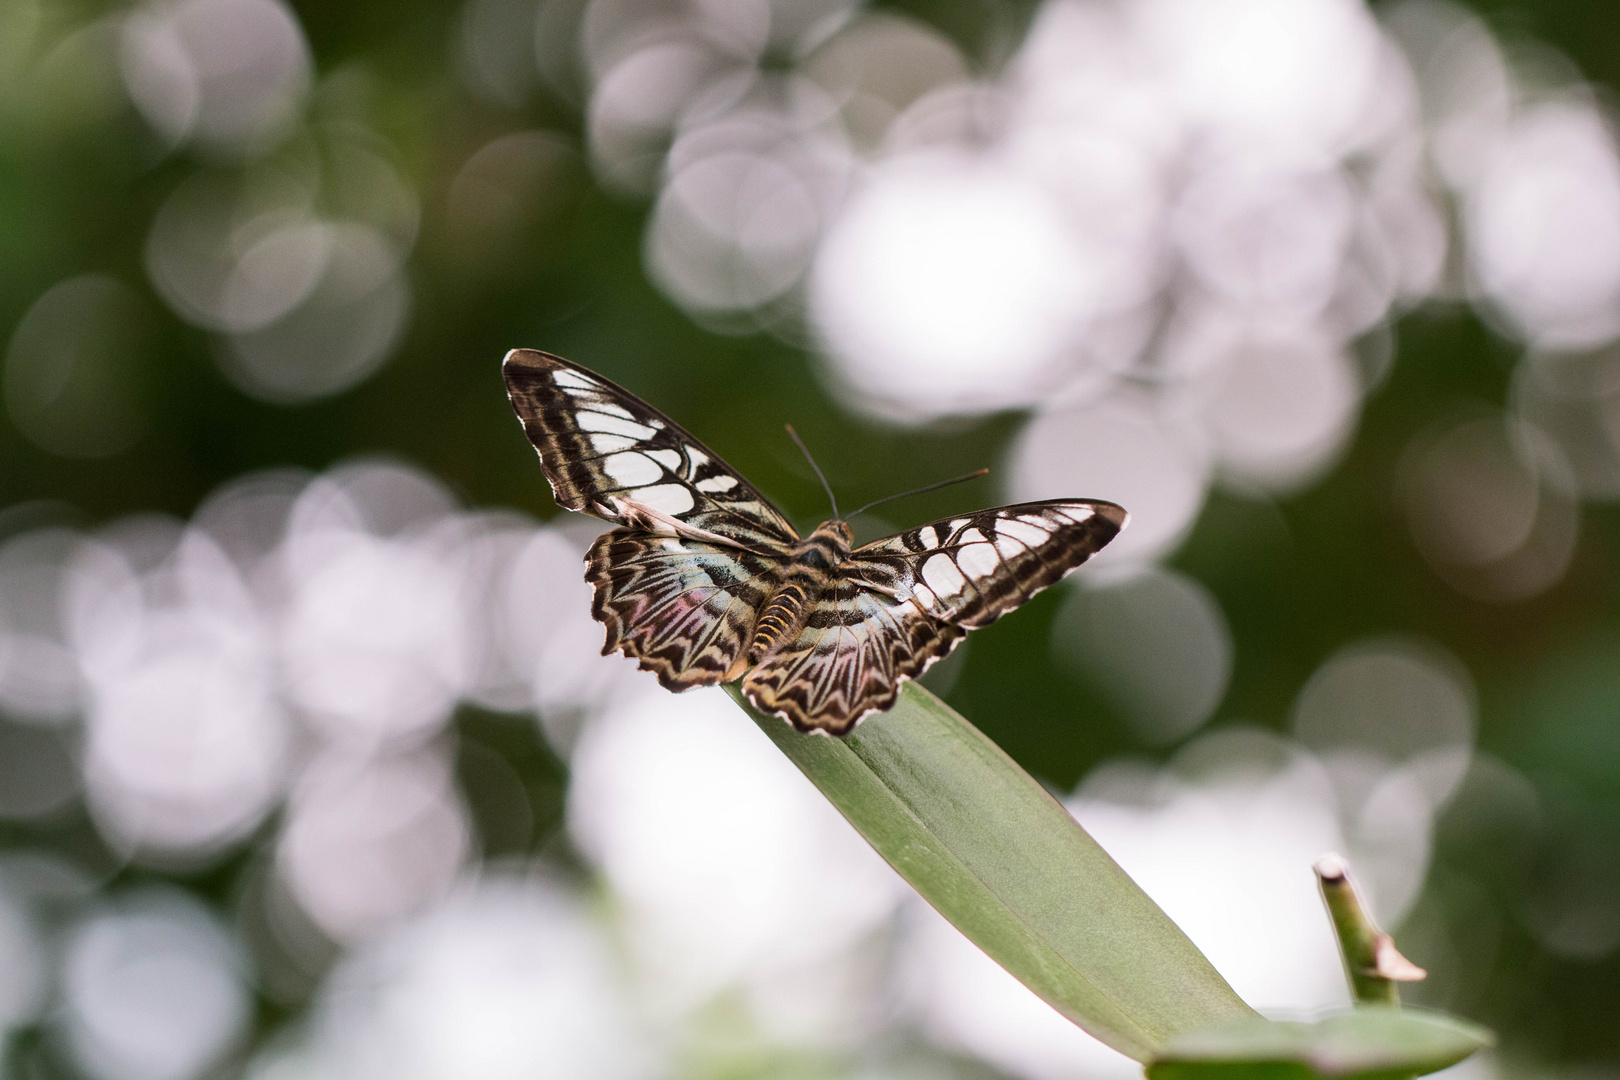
824,485
918,491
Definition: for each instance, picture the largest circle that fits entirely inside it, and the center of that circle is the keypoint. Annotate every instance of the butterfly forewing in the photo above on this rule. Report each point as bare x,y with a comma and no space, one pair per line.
972,569
901,603
608,453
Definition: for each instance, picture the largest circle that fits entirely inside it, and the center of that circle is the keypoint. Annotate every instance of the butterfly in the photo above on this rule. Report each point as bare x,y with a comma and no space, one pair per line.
703,581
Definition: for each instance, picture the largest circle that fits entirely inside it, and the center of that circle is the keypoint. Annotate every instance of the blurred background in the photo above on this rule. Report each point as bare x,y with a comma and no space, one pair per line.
308,765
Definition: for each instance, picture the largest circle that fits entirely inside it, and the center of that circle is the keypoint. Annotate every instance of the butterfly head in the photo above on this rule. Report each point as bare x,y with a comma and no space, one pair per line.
828,546
836,533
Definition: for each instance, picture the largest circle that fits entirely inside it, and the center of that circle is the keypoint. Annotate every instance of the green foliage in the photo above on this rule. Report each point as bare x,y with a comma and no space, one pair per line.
1009,867
1000,858
1372,1042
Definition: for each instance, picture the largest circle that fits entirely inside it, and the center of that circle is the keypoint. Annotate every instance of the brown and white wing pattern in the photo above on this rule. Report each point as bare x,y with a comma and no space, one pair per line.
684,609
699,554
608,453
856,648
973,569
901,603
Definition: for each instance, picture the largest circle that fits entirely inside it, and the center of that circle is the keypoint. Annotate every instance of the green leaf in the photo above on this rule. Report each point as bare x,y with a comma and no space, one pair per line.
1003,861
1372,1043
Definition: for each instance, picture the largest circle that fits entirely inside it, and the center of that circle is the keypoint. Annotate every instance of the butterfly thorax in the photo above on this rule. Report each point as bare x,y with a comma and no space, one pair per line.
803,579
826,547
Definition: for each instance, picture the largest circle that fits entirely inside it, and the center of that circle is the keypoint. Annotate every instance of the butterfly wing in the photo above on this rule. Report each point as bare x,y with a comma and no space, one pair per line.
901,603
608,453
973,569
856,647
684,609
681,583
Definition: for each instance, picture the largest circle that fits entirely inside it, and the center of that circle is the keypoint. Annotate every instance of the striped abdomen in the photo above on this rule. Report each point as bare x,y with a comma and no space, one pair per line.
785,613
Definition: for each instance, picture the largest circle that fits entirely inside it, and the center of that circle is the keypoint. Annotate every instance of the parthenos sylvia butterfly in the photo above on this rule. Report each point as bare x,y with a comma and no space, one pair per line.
704,581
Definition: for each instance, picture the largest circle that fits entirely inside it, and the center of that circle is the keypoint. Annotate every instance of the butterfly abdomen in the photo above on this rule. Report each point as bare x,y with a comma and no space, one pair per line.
804,580
785,612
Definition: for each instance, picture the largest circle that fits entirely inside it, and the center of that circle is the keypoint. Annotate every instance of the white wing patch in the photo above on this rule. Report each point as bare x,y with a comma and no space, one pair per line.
604,443
572,380
1023,529
1010,546
716,484
669,459
630,469
591,420
942,576
978,560
668,498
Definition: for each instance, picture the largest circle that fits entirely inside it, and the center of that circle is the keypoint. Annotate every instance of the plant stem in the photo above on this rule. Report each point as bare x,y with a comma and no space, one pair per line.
1371,962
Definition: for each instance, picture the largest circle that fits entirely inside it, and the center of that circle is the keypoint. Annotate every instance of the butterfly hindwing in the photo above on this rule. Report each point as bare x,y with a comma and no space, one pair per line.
856,648
608,453
683,608
901,603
